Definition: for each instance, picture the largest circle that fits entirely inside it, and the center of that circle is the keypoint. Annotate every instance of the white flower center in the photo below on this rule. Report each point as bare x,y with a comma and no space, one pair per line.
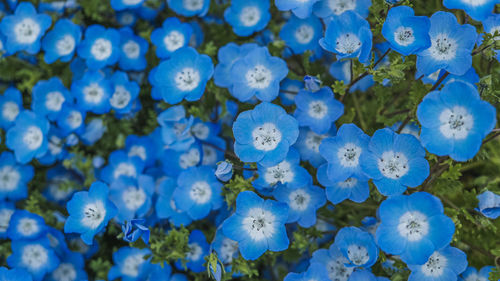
393,165
304,34
259,224
192,5
5,215
357,254
474,2
404,36
200,192
65,272
195,252
347,43
259,77
120,98
93,93
280,173
266,137
250,16
317,109
101,49
134,197
174,40
443,47
348,183
456,123
124,169
34,256
33,137
189,159
200,131
413,225
187,79
27,226
93,214
9,178
340,6
299,199
139,151
475,277
54,101
74,119
131,49
209,155
228,249
10,110
132,264
337,270
435,265
349,154
313,141
27,31
65,45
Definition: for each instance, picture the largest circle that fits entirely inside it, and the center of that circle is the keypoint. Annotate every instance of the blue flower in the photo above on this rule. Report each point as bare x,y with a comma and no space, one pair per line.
354,189
443,264
132,196
492,24
130,264
407,33
413,227
300,8
11,103
15,274
28,137
451,46
14,177
189,8
48,98
348,36
61,42
264,134
303,202
334,262
24,29
395,162
287,173
35,256
121,165
198,249
327,8
134,229
93,131
124,94
24,225
224,171
172,36
479,10
100,47
175,128
357,246
315,271
308,145
317,110
92,92
165,205
89,212
198,192
184,76
142,147
248,16
471,274
227,56
411,128
71,268
257,225
119,5
455,120
226,249
489,204
133,50
174,161
6,210
257,73
362,275
343,152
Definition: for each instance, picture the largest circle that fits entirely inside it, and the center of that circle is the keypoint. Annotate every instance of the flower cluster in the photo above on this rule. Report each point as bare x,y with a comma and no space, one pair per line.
296,140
